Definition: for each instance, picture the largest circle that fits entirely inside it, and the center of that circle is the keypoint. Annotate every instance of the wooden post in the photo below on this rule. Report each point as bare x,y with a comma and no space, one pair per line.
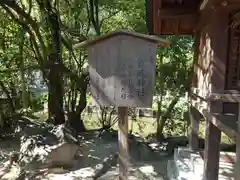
194,117
123,156
237,163
211,152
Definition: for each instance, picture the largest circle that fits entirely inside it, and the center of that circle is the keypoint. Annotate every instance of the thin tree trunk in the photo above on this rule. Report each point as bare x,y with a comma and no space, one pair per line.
94,16
25,102
159,111
166,115
9,98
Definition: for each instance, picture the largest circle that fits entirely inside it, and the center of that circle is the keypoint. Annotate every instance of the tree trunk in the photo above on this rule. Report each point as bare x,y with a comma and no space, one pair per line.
25,102
55,76
12,108
94,16
55,96
166,115
75,122
159,111
159,119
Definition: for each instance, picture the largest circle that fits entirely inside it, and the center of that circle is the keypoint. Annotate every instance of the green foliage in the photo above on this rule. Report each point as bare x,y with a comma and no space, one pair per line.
174,65
26,35
177,125
37,102
173,69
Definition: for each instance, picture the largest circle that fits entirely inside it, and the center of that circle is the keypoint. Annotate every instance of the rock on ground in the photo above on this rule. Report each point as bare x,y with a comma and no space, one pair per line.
47,147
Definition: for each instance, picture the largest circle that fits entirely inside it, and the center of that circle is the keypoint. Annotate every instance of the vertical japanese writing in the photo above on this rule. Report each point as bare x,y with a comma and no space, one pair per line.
141,93
122,76
130,95
129,81
141,78
123,93
125,70
123,82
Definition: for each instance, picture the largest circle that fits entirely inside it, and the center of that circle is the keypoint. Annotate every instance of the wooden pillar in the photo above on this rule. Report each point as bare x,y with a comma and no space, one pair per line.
123,156
237,164
194,117
211,151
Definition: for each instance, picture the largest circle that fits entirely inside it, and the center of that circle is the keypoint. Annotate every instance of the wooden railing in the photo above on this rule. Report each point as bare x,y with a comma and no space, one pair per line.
224,97
202,105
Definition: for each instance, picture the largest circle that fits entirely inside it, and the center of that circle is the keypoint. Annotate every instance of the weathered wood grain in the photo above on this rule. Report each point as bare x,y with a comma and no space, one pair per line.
123,142
122,71
211,152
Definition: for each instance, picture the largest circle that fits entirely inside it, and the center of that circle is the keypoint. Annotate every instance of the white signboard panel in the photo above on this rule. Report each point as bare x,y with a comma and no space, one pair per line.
122,71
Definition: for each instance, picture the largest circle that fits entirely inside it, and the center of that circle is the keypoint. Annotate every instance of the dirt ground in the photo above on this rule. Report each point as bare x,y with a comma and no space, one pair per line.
145,163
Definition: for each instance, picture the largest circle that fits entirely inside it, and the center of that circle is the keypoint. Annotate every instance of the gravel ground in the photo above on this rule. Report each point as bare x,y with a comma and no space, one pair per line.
145,164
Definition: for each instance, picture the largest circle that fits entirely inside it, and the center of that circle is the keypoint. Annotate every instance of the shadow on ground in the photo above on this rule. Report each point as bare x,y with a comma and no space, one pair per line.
95,153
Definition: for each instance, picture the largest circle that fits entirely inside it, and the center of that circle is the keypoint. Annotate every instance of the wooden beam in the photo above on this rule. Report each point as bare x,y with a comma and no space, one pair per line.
211,151
211,3
176,12
224,97
215,120
178,16
218,4
204,4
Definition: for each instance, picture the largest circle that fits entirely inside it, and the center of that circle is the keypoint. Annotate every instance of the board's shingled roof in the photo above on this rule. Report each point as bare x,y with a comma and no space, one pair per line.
155,39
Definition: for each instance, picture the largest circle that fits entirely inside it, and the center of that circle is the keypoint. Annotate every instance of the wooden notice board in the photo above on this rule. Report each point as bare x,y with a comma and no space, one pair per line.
122,68
122,74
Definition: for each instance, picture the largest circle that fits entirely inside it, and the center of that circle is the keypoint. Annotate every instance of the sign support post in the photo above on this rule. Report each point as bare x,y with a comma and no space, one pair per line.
123,157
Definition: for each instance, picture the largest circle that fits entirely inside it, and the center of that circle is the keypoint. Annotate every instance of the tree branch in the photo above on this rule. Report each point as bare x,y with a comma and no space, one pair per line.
31,33
28,20
93,15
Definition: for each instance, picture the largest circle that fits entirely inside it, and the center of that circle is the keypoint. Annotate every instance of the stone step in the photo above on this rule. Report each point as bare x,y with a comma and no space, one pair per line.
189,165
171,173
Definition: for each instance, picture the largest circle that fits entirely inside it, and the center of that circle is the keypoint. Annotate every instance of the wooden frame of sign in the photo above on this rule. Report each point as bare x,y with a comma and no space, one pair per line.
122,74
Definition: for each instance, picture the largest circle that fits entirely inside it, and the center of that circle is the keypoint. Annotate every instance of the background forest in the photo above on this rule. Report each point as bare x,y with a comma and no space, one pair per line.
39,65
47,117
